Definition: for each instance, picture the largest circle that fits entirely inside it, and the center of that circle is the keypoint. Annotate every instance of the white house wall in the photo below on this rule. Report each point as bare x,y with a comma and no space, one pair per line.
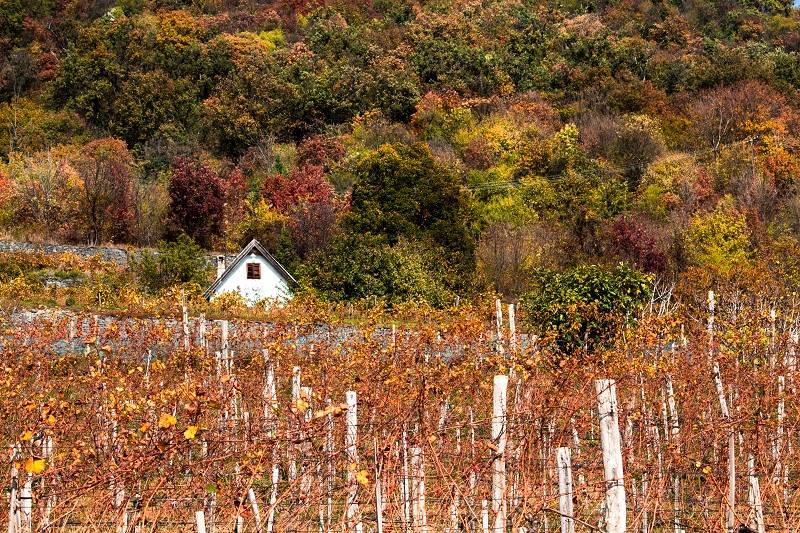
271,285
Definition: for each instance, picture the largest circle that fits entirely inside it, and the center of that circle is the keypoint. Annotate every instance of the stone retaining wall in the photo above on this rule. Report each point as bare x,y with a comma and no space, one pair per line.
120,256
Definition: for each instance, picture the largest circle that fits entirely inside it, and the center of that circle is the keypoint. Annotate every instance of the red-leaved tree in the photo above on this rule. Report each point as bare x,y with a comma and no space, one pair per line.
107,199
636,240
306,184
308,199
319,150
197,200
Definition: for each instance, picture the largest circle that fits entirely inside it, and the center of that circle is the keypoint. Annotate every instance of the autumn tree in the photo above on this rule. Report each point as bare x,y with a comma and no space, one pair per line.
719,241
197,200
734,113
401,191
46,188
308,200
306,184
107,199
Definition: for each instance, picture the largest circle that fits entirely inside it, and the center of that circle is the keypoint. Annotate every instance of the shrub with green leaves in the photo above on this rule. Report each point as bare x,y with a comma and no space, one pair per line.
175,263
586,307
719,242
356,267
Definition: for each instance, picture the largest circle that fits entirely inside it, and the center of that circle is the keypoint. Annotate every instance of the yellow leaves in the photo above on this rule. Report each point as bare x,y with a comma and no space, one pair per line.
706,470
144,427
191,432
361,475
50,420
301,404
35,466
166,421
334,410
27,435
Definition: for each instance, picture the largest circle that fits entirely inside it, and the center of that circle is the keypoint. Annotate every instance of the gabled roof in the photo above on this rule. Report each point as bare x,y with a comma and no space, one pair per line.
253,246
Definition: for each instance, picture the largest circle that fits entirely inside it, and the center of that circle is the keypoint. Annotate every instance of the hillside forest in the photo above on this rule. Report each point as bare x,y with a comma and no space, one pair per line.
415,150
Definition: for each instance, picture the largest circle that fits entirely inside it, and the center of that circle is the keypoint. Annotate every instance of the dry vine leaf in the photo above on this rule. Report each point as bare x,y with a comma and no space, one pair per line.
166,421
191,432
34,466
362,477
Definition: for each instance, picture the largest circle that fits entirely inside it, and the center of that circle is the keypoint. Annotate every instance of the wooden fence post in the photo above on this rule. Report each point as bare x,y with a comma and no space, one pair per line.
269,395
292,450
406,484
726,416
778,476
674,432
499,438
47,454
201,334
251,496
712,303
13,500
378,493
612,455
418,490
306,395
512,329
200,521
754,493
26,506
224,345
499,326
565,490
273,497
185,322
351,438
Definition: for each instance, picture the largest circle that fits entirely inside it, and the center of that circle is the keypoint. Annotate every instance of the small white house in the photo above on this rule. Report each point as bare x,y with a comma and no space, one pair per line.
254,274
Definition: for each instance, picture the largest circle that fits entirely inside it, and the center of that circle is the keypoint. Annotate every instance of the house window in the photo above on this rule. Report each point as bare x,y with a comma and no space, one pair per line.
253,271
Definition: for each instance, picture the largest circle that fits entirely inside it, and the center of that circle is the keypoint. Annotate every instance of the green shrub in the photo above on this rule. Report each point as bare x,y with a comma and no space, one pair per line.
178,262
585,308
356,267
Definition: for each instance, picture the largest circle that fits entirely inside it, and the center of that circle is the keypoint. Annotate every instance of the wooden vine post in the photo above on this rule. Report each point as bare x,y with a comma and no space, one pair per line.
418,490
674,432
353,520
200,521
564,462
378,492
270,400
405,485
615,511
185,322
499,326
726,416
754,496
499,438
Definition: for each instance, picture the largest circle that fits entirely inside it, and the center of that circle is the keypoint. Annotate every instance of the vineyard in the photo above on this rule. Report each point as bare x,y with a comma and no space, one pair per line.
687,424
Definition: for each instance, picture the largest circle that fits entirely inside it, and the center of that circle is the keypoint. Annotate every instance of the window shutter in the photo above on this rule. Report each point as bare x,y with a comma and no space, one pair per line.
253,271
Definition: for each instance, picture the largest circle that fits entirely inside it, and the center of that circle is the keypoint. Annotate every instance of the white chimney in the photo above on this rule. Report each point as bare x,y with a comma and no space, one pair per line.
220,266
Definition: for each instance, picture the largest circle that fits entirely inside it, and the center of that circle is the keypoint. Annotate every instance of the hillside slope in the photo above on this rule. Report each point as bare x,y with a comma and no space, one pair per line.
412,150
